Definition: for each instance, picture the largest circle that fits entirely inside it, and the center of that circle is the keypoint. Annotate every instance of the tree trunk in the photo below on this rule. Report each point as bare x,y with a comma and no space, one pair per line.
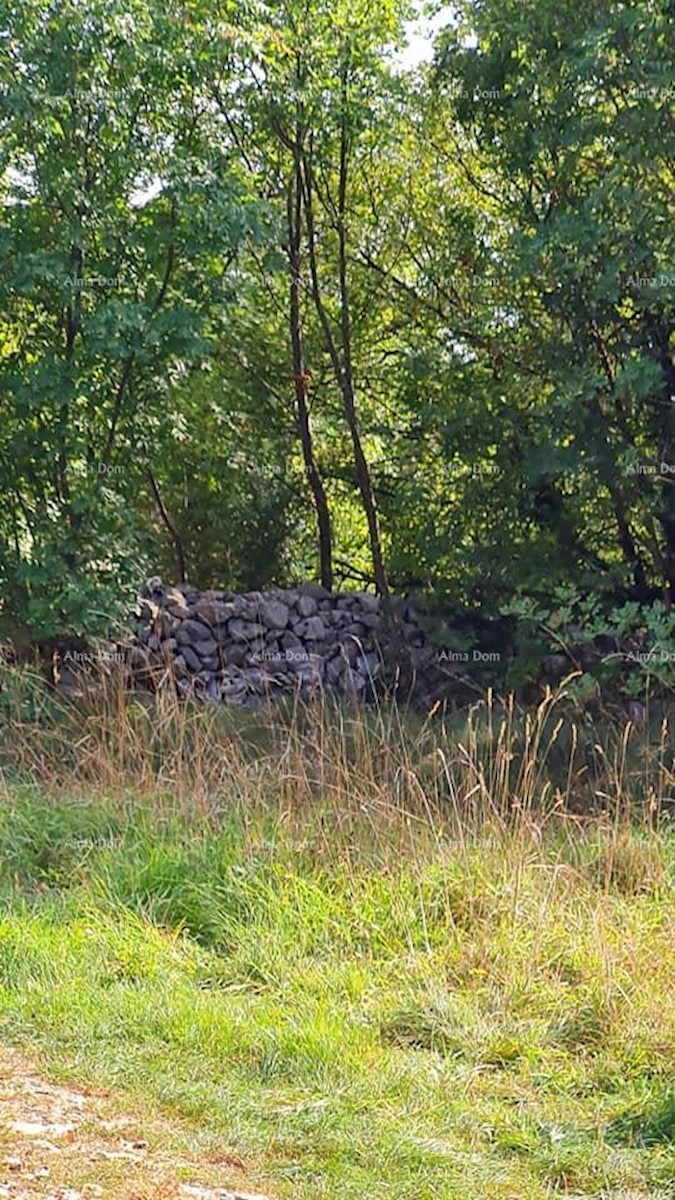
363,477
341,361
294,209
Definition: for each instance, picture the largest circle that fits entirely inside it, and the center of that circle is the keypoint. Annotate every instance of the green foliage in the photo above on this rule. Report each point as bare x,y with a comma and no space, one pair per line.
510,301
631,643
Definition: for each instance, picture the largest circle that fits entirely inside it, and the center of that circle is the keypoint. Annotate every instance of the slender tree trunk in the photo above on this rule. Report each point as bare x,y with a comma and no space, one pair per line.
341,359
170,527
300,374
363,476
660,337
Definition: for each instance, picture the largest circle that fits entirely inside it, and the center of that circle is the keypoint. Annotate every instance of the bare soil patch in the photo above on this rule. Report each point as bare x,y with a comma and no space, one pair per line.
61,1142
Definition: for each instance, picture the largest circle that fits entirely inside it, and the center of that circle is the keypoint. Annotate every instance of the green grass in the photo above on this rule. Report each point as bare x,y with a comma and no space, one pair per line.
424,1013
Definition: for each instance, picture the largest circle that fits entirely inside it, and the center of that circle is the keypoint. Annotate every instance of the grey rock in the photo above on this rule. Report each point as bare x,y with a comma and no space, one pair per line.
367,602
178,610
173,595
196,630
353,683
235,655
350,649
409,629
244,631
147,611
316,590
191,658
153,589
557,665
274,614
210,664
355,629
139,658
214,612
371,620
233,691
206,647
312,629
368,664
307,605
335,670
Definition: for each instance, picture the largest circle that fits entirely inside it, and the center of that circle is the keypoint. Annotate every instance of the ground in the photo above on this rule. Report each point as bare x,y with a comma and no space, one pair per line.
61,1142
355,960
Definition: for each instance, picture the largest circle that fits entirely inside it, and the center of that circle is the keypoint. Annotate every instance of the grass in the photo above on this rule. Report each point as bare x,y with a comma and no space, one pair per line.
375,958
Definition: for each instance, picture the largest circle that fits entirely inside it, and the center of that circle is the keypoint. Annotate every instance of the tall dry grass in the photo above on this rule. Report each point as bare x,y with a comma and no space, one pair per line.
494,764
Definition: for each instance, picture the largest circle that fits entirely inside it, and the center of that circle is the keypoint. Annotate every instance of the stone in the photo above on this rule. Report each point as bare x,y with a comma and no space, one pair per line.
274,614
368,664
313,629
173,596
316,590
354,683
367,602
235,655
178,610
355,629
233,691
153,589
139,659
167,624
147,611
191,658
244,631
214,691
556,666
335,670
206,648
371,620
307,606
210,664
220,647
409,630
350,650
196,630
215,611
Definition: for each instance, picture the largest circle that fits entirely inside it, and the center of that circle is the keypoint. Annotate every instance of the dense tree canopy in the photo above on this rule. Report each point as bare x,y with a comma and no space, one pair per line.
274,304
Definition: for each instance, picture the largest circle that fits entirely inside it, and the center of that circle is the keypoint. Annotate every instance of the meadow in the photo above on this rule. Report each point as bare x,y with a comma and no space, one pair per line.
372,956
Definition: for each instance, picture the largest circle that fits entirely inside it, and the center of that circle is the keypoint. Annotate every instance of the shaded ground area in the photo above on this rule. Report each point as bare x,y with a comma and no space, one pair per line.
62,1143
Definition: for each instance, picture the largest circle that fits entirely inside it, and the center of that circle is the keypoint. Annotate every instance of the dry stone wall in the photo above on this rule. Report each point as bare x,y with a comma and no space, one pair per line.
240,649
221,647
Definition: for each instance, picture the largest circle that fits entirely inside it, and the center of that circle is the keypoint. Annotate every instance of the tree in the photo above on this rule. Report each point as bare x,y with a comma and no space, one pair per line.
122,215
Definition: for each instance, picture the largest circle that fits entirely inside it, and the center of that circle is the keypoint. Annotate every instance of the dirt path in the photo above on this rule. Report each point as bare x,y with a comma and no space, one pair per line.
62,1143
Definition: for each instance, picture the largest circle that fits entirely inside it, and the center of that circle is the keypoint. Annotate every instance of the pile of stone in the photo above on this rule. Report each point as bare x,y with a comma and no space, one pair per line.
221,647
242,649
